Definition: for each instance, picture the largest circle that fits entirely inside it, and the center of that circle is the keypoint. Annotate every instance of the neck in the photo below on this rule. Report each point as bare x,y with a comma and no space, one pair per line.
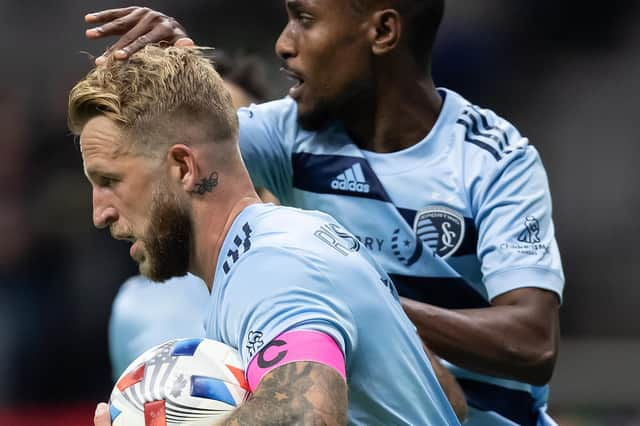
399,111
212,221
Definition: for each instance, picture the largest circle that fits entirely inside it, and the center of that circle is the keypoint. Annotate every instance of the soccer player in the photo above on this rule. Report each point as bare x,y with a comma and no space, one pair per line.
449,197
306,307
145,314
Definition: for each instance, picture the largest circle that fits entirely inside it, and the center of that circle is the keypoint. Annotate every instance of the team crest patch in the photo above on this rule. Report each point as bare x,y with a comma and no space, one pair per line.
440,228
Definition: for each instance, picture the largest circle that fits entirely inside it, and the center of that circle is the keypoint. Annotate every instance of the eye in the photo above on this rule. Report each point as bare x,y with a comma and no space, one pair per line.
305,18
107,182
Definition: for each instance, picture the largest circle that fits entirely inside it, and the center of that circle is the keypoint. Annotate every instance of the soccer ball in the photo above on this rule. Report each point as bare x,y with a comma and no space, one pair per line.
180,382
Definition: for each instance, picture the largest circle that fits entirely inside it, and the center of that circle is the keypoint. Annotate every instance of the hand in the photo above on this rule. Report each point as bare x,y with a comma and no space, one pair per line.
449,384
102,418
137,27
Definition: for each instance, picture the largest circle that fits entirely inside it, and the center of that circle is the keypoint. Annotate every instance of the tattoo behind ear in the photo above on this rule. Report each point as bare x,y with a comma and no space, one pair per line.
207,184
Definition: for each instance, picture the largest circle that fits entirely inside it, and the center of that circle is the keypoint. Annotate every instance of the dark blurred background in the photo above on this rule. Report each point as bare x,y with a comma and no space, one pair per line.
565,73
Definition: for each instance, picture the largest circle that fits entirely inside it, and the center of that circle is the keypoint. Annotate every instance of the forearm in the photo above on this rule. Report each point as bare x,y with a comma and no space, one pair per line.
501,340
264,411
307,401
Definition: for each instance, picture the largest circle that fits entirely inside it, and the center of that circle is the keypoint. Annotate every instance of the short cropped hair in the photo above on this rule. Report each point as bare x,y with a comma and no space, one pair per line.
153,89
425,17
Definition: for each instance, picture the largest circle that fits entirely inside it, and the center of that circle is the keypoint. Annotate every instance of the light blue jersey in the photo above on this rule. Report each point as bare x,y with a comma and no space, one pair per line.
146,314
283,269
456,220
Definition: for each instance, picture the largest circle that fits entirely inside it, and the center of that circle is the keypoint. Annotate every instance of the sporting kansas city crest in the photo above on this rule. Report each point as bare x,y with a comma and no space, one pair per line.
440,228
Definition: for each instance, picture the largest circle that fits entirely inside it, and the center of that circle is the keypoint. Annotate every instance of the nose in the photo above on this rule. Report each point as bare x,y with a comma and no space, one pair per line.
103,213
285,45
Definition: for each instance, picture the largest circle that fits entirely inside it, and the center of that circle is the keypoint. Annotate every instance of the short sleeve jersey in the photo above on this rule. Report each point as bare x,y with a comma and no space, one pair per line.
459,218
282,269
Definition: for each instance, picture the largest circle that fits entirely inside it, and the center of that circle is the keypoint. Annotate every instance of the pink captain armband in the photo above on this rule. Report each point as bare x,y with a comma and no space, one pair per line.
292,346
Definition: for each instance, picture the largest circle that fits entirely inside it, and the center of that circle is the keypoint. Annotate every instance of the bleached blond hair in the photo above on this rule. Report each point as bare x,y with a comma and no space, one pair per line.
154,95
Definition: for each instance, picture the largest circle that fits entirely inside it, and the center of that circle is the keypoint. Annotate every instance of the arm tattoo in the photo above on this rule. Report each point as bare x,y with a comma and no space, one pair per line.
299,393
207,184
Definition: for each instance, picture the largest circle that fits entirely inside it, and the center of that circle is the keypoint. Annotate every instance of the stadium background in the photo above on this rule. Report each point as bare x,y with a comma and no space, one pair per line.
566,73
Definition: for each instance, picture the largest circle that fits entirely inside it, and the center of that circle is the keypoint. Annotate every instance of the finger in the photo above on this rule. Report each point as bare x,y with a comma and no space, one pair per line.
154,27
184,42
101,417
159,33
103,58
126,52
108,15
145,31
118,26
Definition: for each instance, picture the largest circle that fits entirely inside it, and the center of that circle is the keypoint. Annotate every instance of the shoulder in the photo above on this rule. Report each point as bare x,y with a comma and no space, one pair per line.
483,135
485,142
279,236
268,125
290,219
294,232
276,112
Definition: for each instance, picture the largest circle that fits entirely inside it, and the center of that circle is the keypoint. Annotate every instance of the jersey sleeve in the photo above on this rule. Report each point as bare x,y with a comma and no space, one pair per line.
516,237
273,291
265,139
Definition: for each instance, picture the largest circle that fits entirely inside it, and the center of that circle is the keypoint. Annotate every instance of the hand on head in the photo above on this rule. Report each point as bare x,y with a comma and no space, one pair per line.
137,26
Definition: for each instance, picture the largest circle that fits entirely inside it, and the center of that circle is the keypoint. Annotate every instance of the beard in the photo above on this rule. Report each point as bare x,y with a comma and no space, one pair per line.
344,108
168,238
317,118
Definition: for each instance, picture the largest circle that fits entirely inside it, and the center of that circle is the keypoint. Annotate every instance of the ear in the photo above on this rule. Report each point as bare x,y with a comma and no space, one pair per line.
183,167
385,31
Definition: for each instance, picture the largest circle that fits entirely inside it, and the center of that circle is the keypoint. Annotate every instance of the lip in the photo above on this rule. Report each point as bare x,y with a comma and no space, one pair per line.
124,237
132,249
293,75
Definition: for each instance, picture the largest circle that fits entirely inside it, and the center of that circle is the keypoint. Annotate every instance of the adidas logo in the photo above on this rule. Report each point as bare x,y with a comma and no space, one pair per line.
352,179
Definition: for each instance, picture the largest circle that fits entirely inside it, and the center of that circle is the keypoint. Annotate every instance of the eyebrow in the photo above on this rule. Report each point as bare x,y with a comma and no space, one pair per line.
297,5
91,174
94,173
293,4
